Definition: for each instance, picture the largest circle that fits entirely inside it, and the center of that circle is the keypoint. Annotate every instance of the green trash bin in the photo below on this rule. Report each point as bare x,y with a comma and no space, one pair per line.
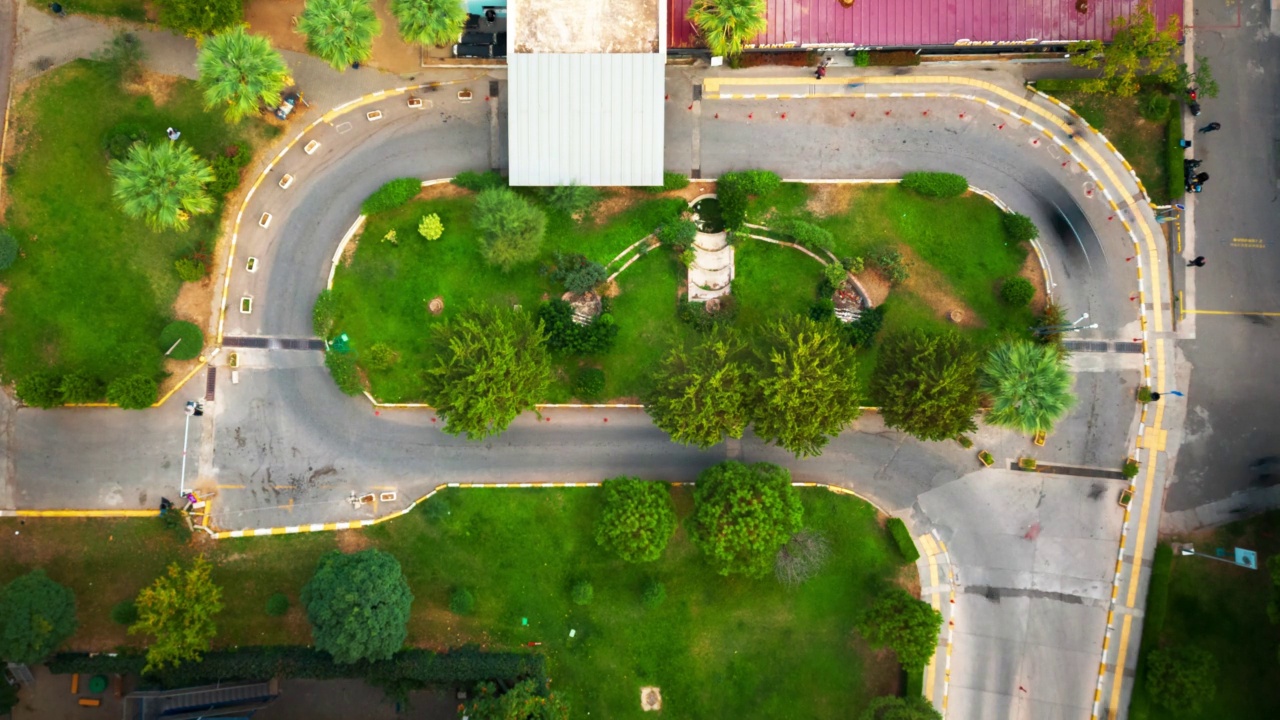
98,684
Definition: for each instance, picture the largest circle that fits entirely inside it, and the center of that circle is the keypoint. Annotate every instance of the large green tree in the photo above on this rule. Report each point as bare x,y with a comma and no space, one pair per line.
341,32
1029,385
904,624
511,228
162,184
637,520
1138,48
704,392
524,701
36,615
891,707
727,25
926,384
178,610
200,17
808,384
742,515
429,22
240,73
358,605
1182,678
490,364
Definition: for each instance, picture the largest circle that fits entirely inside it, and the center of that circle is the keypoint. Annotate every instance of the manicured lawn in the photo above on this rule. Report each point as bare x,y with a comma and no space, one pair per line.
128,9
94,288
717,647
1222,608
383,293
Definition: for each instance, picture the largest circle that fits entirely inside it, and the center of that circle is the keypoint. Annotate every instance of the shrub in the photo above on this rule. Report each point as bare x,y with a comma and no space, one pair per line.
36,616
190,269
1053,316
430,227
1130,469
892,264
8,250
862,332
391,237
743,514
572,200
476,182
564,335
187,337
1019,228
801,558
670,181
227,168
637,520
124,613
133,392
935,184
379,356
806,233
277,605
1154,106
862,58
655,593
735,189
688,257
42,389
902,538
893,58
583,593
834,274
1182,678
854,265
80,387
1017,291
391,195
123,136
904,624
589,384
342,366
1144,394
324,314
696,315
822,309
461,601
577,273
511,228
679,232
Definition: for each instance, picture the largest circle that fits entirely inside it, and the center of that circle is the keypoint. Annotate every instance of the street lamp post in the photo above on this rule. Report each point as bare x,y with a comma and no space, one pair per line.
1073,327
193,409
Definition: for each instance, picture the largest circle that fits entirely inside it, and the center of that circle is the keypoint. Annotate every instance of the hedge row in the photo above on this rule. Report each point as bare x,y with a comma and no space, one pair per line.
936,184
419,668
1174,154
1152,626
902,536
391,195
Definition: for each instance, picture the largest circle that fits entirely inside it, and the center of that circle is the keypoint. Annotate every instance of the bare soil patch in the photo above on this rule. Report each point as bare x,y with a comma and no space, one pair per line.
442,190
929,285
1032,271
159,87
3,289
875,284
350,542
829,200
277,20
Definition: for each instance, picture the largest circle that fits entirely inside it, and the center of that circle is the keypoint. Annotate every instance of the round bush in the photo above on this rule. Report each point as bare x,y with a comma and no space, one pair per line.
1017,291
461,601
379,356
188,336
1019,228
935,184
589,384
124,613
655,593
8,250
120,138
41,389
583,593
133,392
277,605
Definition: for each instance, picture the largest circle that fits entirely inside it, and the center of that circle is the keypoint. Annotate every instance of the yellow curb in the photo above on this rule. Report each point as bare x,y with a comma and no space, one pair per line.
85,513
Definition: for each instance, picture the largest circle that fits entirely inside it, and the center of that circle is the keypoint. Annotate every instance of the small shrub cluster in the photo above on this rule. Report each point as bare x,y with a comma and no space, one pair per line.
133,392
670,181
654,594
461,601
577,273
735,190
822,309
806,233
572,200
324,314
1174,154
862,332
511,227
564,335
1017,291
892,58
189,339
46,389
834,274
935,184
589,383
1054,315
379,356
583,593
227,168
1130,469
8,250
892,264
688,256
342,366
391,196
679,233
854,265
124,613
277,605
190,269
1019,228
476,182
1154,106
902,538
123,136
862,58
696,314
430,227
79,387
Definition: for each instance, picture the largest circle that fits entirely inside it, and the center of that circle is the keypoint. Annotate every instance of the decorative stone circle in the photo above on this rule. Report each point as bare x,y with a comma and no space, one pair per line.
651,699
955,316
436,306
712,306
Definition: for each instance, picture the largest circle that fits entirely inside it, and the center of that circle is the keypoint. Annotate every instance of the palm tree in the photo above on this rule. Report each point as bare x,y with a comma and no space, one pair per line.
241,72
1029,386
341,32
429,22
162,183
726,24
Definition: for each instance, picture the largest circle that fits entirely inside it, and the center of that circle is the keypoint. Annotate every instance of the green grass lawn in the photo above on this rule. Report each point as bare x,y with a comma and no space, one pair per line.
717,647
94,288
1222,608
128,9
383,293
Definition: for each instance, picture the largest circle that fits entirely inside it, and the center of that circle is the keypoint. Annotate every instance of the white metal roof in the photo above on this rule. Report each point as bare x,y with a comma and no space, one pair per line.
585,118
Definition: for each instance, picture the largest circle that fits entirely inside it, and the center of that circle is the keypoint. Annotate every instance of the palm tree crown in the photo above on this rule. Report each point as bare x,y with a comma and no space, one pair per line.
1029,386
241,72
164,184
725,25
341,32
429,22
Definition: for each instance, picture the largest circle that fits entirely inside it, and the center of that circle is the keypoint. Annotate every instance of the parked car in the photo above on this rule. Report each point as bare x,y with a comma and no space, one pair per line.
287,105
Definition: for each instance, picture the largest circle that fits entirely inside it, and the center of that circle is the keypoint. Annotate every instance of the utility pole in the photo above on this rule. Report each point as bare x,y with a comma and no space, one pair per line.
1073,327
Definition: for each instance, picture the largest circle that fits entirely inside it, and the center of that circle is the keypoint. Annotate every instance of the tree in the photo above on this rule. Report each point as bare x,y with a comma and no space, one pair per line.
808,385
178,609
40,389
638,519
703,393
163,184
79,387
511,228
36,616
727,25
1029,386
1201,78
904,624
358,605
742,515
1182,678
133,392
525,701
201,17
430,227
430,22
240,73
1137,48
926,384
491,364
890,707
341,32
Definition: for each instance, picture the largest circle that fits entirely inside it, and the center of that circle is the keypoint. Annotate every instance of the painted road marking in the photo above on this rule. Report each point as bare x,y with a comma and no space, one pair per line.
1249,243
931,672
1231,312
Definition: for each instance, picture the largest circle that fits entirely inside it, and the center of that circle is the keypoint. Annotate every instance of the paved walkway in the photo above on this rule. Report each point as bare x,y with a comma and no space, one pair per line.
711,272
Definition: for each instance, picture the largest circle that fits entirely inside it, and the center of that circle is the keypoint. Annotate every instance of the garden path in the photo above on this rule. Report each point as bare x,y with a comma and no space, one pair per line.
711,271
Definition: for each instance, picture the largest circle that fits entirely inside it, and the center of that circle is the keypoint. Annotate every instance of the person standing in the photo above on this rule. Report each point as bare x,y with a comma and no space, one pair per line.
1210,127
1198,262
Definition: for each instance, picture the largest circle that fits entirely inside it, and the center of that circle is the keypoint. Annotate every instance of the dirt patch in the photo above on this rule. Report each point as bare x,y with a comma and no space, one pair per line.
350,542
349,251
441,191
1032,271
880,670
195,304
159,87
828,200
3,289
615,201
277,20
875,284
929,285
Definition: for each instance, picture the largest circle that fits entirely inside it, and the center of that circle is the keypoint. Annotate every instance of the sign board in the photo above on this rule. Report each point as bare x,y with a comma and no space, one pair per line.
1247,558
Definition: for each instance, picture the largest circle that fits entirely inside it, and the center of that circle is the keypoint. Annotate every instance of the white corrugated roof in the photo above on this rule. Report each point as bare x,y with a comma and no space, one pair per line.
585,118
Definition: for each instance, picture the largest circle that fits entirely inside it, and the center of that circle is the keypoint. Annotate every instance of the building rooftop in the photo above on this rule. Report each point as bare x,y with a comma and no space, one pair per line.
585,26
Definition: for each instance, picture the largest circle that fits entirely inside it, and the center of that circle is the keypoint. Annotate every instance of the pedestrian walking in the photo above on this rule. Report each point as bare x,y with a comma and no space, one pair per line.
1198,262
1210,127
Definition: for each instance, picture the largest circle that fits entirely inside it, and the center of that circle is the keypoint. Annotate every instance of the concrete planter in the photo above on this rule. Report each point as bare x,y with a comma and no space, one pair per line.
286,181
246,305
251,265
373,115
311,147
985,458
265,220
